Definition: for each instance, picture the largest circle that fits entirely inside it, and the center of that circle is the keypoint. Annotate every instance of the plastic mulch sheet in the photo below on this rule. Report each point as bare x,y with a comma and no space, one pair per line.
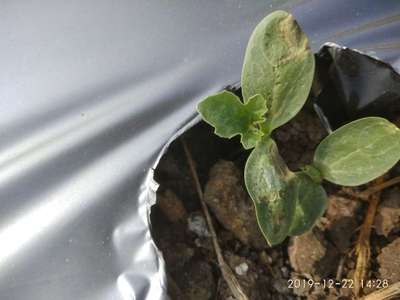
90,94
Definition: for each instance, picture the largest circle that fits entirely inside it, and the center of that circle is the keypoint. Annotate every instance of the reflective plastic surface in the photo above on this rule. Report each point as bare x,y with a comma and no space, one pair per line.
90,93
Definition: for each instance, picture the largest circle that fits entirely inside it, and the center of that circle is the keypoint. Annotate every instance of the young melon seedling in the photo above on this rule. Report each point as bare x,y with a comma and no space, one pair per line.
277,74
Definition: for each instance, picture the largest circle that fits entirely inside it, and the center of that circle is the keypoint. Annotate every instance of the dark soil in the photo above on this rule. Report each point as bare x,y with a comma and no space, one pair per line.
326,252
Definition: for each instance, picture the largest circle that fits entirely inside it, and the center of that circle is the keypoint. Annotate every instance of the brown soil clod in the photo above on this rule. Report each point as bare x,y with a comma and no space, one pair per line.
172,207
387,218
231,205
342,222
389,262
312,255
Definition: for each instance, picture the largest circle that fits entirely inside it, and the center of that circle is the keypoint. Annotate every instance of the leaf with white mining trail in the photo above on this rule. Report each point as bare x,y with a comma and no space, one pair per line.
231,117
279,65
267,179
358,152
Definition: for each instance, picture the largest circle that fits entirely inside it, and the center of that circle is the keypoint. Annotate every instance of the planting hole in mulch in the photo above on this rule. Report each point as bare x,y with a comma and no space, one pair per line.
287,271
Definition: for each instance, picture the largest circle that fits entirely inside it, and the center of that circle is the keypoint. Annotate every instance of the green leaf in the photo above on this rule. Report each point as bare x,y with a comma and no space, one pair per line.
231,117
279,65
358,151
286,203
267,179
311,203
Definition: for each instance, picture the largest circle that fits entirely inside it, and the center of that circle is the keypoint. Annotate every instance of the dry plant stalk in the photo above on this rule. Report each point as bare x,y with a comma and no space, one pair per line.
390,292
381,186
366,194
226,271
363,251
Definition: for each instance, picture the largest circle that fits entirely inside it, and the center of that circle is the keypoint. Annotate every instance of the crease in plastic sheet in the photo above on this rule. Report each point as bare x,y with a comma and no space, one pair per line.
149,188
90,92
129,283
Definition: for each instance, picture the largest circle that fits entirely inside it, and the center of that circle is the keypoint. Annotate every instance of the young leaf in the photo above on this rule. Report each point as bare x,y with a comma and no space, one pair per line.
267,179
358,151
231,117
279,65
311,203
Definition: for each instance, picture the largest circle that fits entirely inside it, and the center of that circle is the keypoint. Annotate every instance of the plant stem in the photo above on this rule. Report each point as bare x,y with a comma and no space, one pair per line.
226,271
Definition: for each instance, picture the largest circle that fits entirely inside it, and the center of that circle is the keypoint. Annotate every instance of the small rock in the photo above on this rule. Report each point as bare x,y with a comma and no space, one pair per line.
265,258
242,269
198,225
342,222
171,206
389,262
305,251
310,254
231,205
250,277
388,214
285,272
